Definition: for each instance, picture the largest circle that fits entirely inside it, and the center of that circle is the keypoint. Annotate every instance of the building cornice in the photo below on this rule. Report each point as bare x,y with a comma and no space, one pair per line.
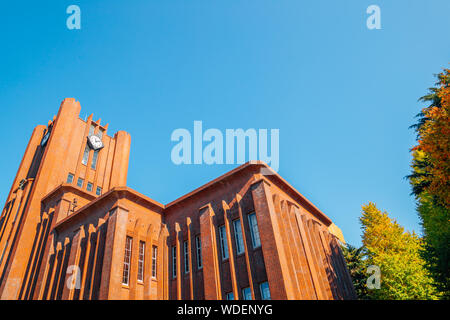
125,192
65,188
115,194
269,176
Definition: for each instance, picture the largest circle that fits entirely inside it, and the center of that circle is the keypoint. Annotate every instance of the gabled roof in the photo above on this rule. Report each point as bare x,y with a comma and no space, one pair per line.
268,172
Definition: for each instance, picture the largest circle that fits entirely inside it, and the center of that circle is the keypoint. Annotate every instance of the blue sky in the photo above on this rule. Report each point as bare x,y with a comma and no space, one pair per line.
342,96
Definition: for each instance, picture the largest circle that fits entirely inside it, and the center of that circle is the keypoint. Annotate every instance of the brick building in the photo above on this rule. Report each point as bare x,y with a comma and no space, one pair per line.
72,229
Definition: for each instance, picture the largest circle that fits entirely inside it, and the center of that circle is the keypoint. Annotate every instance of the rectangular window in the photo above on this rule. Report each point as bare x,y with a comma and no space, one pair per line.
85,155
230,296
89,186
186,257
70,178
91,130
223,242
127,261
99,191
198,245
94,159
238,236
100,134
80,183
256,241
140,275
154,259
174,262
246,294
265,292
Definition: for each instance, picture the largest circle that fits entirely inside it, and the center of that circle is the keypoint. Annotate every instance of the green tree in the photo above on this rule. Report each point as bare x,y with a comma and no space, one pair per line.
436,226
397,253
430,180
357,266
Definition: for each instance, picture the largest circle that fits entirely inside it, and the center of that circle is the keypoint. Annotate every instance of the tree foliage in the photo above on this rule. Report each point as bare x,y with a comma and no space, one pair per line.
397,253
435,222
357,266
430,179
432,168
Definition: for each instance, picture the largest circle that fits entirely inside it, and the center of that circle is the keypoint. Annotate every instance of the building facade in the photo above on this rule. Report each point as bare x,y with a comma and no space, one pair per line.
72,229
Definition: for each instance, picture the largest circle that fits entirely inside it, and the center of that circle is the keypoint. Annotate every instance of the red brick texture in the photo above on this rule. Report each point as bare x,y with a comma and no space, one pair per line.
53,232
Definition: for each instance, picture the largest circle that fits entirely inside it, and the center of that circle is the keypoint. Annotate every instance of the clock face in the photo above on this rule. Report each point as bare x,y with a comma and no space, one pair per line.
95,142
45,138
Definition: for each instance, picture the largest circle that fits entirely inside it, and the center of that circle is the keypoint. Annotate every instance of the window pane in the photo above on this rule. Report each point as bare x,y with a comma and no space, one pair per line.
238,236
91,129
80,183
246,294
154,259
198,244
186,257
99,191
140,275
230,296
174,262
265,292
223,242
94,160
126,261
89,186
256,241
85,155
70,178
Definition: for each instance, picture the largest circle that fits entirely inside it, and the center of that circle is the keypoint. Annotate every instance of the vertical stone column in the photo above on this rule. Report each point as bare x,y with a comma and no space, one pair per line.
306,285
330,265
271,243
54,272
291,244
74,260
91,235
100,234
29,281
211,277
246,237
45,272
120,162
8,232
231,257
111,281
318,258
163,264
148,261
191,266
28,156
309,255
178,253
61,274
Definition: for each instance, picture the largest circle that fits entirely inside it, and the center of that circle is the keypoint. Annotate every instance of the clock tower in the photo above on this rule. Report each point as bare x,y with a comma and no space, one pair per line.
68,150
71,229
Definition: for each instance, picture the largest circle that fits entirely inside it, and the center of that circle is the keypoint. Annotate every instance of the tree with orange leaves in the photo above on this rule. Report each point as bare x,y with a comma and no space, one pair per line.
433,133
430,179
